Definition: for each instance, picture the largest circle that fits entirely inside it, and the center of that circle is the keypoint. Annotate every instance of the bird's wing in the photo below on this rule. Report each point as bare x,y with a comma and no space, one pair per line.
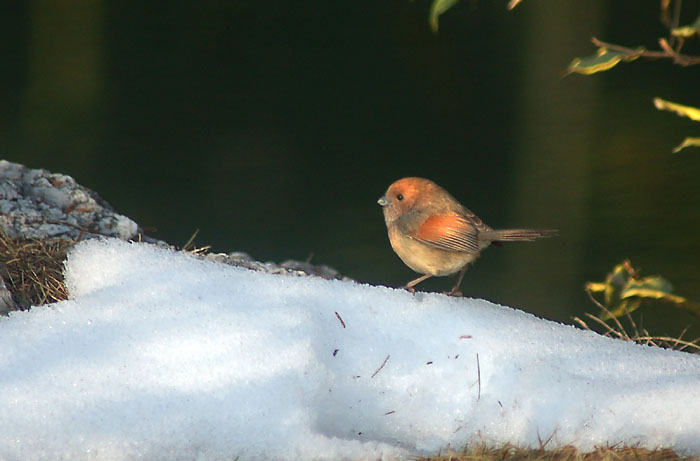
449,231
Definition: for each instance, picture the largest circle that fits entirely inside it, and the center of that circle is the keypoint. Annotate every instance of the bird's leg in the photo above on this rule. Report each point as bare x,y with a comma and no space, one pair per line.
409,286
455,289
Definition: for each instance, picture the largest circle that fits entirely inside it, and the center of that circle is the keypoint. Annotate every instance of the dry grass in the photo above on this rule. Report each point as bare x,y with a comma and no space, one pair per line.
568,453
613,328
33,270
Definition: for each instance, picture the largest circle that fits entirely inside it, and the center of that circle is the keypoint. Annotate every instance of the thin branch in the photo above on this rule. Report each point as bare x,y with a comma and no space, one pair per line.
621,330
632,51
676,22
631,321
668,339
380,367
478,376
190,241
680,337
667,53
611,330
340,318
593,300
583,324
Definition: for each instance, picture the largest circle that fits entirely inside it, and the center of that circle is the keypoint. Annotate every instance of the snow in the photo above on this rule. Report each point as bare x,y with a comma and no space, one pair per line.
160,355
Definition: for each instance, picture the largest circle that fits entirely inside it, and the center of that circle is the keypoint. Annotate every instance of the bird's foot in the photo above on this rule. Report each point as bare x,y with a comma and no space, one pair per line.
454,293
409,289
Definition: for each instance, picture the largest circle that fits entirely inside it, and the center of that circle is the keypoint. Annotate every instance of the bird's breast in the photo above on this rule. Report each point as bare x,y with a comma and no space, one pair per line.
427,259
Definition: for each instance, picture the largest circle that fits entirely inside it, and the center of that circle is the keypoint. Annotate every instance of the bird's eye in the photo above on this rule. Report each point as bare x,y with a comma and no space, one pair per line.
399,197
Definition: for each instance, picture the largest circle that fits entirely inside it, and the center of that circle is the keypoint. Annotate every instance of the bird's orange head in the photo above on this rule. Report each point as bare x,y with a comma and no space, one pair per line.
408,194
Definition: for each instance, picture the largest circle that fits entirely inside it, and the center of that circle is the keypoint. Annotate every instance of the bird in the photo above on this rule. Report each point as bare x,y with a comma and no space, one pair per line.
437,236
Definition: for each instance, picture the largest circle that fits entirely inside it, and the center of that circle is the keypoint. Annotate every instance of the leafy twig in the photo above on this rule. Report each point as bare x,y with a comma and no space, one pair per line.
667,53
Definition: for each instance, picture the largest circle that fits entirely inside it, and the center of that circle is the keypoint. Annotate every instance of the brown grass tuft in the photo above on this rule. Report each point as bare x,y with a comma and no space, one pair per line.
613,328
33,270
568,453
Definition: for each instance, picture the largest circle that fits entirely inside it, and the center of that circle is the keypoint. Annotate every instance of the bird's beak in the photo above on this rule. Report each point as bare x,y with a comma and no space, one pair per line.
383,201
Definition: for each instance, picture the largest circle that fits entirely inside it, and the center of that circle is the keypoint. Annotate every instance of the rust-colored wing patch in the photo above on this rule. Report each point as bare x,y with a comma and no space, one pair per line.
449,231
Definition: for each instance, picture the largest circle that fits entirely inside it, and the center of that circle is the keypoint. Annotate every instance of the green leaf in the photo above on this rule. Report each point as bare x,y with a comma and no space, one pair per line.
624,291
687,31
604,59
436,9
654,283
623,308
691,112
653,294
687,142
615,282
596,287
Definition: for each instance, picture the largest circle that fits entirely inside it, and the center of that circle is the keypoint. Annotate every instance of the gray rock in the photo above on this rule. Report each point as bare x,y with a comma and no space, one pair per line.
290,267
7,302
38,204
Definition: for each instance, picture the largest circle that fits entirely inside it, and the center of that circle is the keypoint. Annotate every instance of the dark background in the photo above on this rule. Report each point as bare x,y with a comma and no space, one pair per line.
274,127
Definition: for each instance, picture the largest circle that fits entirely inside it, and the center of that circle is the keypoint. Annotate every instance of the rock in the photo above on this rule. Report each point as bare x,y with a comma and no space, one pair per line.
38,204
320,270
7,302
287,267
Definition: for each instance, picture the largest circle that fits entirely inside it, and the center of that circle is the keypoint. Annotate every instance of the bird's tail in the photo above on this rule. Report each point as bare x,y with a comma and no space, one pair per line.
516,235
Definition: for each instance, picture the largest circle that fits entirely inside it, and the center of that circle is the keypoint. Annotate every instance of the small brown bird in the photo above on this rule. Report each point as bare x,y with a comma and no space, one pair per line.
434,234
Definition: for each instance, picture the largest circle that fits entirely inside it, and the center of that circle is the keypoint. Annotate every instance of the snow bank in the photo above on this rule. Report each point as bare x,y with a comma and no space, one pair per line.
159,355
